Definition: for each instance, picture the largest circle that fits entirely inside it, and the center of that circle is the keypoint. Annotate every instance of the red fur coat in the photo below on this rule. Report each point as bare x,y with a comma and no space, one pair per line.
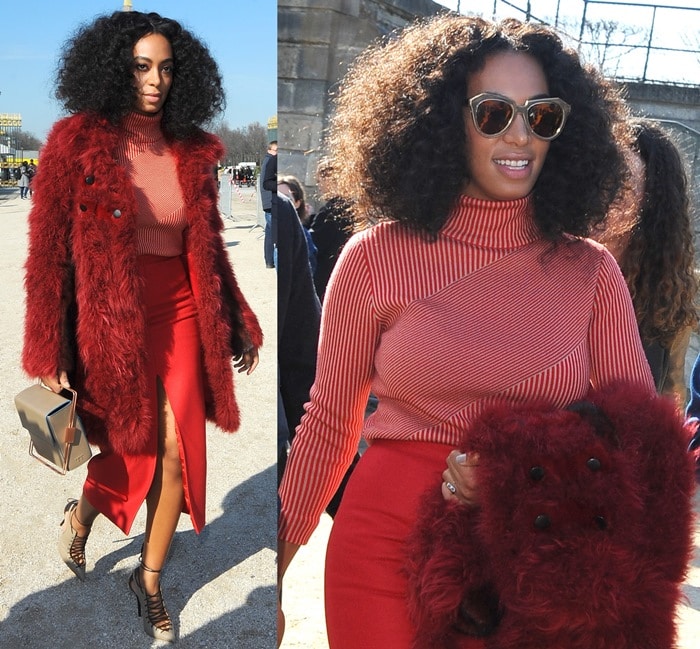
582,536
83,310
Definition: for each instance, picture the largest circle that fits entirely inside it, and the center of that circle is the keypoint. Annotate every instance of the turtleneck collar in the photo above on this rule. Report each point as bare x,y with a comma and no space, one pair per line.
492,224
143,128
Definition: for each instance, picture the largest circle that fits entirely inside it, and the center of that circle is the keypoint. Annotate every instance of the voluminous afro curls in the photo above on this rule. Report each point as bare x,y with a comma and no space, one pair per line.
96,72
397,140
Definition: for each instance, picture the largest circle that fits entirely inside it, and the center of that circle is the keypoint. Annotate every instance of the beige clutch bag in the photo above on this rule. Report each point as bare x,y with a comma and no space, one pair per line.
57,436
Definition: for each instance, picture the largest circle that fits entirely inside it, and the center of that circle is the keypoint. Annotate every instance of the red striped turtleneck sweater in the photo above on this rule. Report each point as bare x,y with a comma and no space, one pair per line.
440,330
161,219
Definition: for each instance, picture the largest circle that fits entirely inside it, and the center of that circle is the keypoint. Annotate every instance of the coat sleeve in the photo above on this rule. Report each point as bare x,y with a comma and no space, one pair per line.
50,315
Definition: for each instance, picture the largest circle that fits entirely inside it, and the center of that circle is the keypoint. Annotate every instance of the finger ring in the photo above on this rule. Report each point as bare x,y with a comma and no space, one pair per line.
451,488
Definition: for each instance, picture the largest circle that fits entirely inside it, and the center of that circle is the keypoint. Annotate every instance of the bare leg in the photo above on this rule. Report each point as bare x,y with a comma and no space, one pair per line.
83,517
165,497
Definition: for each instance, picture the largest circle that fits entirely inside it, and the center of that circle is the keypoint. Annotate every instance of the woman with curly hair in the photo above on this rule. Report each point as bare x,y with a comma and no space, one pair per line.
131,298
649,233
482,153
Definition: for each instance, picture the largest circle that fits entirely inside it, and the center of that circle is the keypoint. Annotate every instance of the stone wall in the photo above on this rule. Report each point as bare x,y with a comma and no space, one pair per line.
669,102
317,40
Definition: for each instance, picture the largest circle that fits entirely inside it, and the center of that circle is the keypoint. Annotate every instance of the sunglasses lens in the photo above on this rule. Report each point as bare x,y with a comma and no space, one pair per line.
493,116
545,119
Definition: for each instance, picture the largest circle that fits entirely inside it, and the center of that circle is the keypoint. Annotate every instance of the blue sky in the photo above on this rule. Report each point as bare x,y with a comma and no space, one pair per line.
242,37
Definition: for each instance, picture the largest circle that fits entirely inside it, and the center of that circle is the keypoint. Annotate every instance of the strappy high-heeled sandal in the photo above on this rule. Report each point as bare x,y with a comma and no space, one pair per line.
151,608
71,546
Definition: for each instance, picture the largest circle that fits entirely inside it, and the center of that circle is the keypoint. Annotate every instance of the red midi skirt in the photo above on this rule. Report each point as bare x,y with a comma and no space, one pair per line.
365,588
117,484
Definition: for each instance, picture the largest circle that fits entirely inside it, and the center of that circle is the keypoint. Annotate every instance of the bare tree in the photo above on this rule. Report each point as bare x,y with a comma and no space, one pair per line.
246,144
607,43
27,141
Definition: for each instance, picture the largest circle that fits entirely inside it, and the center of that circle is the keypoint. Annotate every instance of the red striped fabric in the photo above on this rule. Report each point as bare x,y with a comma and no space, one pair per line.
440,330
161,219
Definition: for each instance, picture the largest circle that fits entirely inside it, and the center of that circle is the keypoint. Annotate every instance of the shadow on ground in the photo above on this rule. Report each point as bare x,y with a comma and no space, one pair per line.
101,612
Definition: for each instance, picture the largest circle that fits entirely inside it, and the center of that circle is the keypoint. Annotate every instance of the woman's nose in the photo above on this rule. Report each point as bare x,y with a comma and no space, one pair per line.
518,132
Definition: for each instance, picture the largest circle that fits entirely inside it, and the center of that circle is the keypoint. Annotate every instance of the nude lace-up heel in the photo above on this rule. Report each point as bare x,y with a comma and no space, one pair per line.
151,608
71,547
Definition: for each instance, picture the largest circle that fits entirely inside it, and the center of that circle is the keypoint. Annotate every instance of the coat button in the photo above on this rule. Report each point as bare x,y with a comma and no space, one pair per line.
116,214
83,208
543,522
600,522
593,464
537,473
89,180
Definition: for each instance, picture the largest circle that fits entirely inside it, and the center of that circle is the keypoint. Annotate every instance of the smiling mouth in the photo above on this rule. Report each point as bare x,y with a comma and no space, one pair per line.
513,164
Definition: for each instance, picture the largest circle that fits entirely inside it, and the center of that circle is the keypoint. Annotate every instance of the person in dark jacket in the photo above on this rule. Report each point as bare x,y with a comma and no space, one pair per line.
266,194
298,320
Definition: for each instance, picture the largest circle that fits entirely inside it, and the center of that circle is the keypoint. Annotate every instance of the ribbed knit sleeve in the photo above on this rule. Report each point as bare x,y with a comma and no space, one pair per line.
327,439
616,350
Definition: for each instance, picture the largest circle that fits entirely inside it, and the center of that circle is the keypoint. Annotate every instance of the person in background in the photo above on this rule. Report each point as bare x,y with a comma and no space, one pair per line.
649,232
484,161
31,171
23,182
298,319
130,295
290,187
266,195
330,228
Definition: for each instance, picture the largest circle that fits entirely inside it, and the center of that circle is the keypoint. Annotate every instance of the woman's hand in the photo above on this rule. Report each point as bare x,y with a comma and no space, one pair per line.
56,382
459,478
247,361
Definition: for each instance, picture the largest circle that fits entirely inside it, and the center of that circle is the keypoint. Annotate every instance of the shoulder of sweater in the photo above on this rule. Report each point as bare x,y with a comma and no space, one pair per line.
387,233
587,249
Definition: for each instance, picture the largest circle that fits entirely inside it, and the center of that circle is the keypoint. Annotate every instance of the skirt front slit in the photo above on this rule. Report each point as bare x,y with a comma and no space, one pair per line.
117,484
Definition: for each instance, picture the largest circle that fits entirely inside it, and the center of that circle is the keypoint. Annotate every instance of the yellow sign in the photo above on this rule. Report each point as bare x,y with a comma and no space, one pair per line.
11,119
272,122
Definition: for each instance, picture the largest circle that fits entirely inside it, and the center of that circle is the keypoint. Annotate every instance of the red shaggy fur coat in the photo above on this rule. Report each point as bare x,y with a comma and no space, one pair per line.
581,539
83,306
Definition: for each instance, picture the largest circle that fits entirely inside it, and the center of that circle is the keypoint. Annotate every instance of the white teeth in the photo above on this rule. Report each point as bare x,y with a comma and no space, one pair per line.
515,164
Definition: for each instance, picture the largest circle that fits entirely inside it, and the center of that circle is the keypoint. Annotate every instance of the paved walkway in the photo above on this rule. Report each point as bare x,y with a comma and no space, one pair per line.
220,586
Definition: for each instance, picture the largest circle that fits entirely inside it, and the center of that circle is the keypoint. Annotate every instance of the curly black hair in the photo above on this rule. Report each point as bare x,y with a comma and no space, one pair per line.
397,141
659,261
95,72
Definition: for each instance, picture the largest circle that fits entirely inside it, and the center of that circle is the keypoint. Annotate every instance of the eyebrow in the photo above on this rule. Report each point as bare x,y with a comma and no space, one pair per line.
145,58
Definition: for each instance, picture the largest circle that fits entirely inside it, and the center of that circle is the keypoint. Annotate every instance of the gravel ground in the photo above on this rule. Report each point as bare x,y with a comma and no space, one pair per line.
219,586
